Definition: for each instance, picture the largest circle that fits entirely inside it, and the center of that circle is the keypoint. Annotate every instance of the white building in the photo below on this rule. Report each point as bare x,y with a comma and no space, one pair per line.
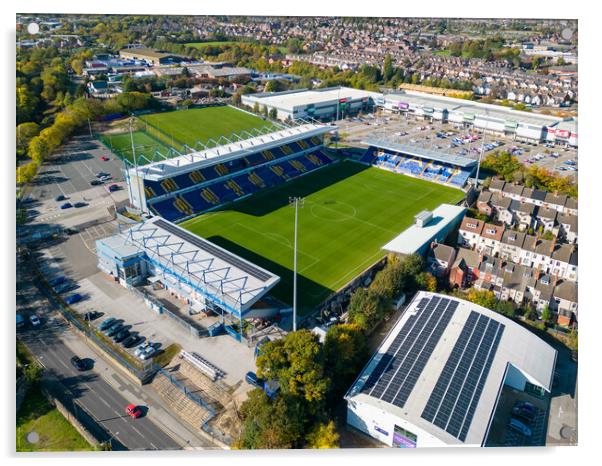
438,376
492,119
321,104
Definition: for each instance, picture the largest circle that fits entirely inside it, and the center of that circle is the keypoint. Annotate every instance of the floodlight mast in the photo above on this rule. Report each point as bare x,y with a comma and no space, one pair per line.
296,202
142,205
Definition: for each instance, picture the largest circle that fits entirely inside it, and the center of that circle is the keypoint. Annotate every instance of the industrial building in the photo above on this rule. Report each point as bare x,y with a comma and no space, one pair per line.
149,56
491,119
340,102
439,375
320,104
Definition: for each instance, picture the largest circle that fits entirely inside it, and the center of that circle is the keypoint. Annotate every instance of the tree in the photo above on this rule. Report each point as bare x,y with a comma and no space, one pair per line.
530,312
275,85
483,298
426,281
388,70
344,354
270,424
546,315
296,362
25,132
131,101
33,374
323,436
256,107
505,308
273,114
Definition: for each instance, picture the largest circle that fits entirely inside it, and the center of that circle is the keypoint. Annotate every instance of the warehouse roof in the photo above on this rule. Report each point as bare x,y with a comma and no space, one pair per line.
451,104
446,380
290,99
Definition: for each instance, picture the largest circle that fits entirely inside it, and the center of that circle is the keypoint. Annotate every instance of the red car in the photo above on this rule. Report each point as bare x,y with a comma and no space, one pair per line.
133,411
104,159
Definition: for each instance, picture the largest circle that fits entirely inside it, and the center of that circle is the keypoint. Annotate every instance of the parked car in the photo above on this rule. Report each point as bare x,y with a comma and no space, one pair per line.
106,178
92,315
524,410
148,353
132,340
252,379
74,298
34,320
95,182
79,363
104,158
133,411
519,427
113,330
57,280
106,323
77,205
60,197
64,287
113,187
122,335
66,205
142,348
101,174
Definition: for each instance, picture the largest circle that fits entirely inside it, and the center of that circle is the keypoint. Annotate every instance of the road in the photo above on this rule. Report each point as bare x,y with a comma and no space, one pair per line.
100,399
95,395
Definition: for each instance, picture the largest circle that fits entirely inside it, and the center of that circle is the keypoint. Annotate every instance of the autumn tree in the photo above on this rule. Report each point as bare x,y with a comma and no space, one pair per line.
296,362
323,436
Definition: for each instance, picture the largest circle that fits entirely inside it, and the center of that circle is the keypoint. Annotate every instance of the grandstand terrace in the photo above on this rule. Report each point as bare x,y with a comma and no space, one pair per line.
193,267
193,183
387,153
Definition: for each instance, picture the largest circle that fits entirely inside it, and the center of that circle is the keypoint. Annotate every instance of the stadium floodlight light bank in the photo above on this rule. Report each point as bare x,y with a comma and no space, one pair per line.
296,202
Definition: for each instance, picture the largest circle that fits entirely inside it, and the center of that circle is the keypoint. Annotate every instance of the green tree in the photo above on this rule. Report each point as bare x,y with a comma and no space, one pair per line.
273,114
271,424
388,69
323,435
546,315
25,132
344,354
426,281
296,362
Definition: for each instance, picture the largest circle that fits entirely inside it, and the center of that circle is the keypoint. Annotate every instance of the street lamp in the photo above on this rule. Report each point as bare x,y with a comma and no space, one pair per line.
296,202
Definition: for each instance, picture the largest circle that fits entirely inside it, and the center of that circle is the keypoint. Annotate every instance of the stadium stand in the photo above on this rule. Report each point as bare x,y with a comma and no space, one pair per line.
421,167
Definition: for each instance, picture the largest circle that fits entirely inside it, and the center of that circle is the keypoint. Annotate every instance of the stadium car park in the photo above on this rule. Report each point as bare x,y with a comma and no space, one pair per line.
165,188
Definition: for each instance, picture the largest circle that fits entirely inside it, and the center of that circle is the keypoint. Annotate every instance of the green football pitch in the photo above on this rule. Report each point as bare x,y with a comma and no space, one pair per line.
202,124
163,131
350,212
146,146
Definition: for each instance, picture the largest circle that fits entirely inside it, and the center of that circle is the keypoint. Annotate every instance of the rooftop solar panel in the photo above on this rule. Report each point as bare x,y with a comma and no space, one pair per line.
395,376
214,250
453,401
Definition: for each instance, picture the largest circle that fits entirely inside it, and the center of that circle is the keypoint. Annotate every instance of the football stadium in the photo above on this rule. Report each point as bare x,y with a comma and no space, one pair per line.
220,232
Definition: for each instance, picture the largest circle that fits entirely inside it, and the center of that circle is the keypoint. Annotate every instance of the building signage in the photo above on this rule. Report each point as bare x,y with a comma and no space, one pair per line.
562,133
382,431
403,106
404,438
